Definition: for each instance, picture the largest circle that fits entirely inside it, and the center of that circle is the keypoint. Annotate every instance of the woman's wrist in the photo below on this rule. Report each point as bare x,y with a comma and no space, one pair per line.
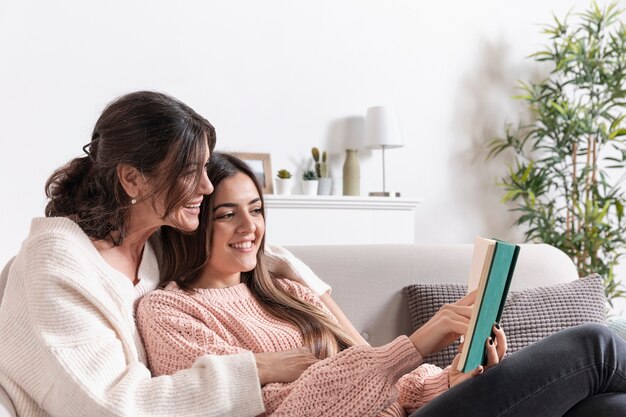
262,368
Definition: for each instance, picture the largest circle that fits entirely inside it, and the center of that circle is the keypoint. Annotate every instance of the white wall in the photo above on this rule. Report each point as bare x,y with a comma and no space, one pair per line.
279,77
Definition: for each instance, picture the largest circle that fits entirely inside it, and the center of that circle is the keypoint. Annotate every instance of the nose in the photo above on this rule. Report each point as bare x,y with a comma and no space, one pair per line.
205,186
247,223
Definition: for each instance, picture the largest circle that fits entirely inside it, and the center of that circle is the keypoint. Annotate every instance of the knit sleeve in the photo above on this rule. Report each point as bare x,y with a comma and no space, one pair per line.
90,372
422,385
357,382
394,410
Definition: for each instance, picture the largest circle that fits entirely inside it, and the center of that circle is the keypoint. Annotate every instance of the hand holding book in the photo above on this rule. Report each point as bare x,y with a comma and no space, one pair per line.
474,315
444,327
495,351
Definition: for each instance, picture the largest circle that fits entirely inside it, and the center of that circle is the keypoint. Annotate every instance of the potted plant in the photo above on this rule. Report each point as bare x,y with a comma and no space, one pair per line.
563,182
309,183
284,182
322,171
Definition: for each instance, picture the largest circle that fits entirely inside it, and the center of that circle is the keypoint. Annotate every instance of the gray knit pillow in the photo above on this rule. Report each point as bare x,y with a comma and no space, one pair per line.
528,315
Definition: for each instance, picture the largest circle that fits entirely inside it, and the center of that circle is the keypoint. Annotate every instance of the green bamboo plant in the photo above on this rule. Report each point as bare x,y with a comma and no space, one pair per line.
565,183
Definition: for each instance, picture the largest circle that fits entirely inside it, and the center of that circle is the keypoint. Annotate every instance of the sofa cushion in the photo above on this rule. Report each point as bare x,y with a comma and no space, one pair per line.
528,315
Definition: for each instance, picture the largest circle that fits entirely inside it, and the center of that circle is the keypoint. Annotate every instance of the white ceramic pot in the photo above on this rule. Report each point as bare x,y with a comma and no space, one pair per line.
284,186
309,187
324,186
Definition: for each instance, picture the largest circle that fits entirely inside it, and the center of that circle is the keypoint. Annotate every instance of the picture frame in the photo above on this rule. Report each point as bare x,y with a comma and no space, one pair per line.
261,165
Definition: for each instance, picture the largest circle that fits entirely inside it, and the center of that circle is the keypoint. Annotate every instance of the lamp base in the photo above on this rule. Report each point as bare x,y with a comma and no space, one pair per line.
384,194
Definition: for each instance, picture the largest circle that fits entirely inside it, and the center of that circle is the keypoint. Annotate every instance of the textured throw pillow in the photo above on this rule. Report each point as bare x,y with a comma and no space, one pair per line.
528,315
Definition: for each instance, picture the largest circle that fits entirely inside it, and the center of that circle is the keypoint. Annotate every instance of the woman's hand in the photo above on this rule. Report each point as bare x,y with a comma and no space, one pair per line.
285,366
445,326
496,349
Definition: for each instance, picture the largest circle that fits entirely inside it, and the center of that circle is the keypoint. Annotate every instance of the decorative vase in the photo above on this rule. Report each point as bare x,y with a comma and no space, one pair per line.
309,187
324,186
284,186
351,173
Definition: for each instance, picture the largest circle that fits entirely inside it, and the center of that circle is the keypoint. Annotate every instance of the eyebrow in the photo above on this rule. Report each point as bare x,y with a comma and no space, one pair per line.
233,205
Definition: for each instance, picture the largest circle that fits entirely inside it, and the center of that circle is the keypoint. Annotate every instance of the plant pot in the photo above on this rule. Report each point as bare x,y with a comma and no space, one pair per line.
284,186
309,187
324,186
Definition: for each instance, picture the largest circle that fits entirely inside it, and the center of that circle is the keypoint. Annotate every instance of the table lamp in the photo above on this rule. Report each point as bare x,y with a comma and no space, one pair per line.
381,132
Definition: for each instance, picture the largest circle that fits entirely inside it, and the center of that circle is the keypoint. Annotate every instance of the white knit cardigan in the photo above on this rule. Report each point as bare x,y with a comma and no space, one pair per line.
69,345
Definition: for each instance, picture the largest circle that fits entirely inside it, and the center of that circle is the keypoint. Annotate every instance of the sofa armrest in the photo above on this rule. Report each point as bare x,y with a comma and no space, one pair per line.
6,406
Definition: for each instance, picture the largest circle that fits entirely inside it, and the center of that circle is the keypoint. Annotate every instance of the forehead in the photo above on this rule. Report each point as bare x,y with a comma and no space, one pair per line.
238,188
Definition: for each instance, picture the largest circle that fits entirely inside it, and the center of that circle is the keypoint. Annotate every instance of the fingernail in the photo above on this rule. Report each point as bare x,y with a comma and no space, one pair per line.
498,326
490,341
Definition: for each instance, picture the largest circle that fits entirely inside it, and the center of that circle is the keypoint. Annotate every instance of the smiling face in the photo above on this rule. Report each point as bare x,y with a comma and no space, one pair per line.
150,212
185,217
238,228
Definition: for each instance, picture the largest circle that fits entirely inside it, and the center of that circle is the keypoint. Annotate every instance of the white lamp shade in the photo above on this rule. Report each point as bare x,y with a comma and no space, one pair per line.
381,128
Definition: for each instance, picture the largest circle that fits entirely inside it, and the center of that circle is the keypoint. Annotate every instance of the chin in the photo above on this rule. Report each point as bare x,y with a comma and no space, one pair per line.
248,267
190,227
186,228
184,224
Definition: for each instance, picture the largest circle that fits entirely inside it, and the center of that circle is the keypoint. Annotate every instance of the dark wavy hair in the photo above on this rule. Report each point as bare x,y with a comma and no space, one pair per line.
158,135
187,255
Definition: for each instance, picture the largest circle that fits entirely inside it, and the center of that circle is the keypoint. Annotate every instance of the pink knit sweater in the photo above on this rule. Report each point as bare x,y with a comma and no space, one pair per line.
178,327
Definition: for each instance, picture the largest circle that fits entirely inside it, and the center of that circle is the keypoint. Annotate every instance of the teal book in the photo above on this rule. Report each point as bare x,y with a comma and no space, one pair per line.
489,304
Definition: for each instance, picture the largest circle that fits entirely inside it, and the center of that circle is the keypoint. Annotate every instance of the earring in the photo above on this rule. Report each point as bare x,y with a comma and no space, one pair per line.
133,201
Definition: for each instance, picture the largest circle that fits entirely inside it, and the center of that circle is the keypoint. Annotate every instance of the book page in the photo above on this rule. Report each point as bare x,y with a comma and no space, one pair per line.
480,261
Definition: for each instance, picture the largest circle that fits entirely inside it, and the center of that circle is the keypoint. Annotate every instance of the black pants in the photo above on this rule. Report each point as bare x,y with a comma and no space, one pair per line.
577,372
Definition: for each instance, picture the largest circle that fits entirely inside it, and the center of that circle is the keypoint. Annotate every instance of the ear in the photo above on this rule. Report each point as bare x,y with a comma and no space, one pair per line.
131,179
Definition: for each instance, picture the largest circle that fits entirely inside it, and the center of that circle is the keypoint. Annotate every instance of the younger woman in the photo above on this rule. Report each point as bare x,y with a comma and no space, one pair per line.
232,304
229,303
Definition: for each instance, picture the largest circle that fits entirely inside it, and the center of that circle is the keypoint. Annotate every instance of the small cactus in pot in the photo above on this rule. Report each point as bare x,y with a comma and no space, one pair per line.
309,182
321,165
309,175
322,170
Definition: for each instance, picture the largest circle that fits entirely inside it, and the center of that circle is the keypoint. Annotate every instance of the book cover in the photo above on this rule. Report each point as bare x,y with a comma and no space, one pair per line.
489,303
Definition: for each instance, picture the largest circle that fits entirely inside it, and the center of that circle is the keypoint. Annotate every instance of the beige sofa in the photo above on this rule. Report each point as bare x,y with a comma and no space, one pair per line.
367,280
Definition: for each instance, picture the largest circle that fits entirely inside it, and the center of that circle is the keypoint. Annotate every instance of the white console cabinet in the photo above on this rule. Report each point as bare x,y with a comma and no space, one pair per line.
328,220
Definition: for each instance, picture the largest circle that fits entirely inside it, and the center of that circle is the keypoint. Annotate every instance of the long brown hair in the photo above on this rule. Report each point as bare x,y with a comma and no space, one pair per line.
189,253
158,135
